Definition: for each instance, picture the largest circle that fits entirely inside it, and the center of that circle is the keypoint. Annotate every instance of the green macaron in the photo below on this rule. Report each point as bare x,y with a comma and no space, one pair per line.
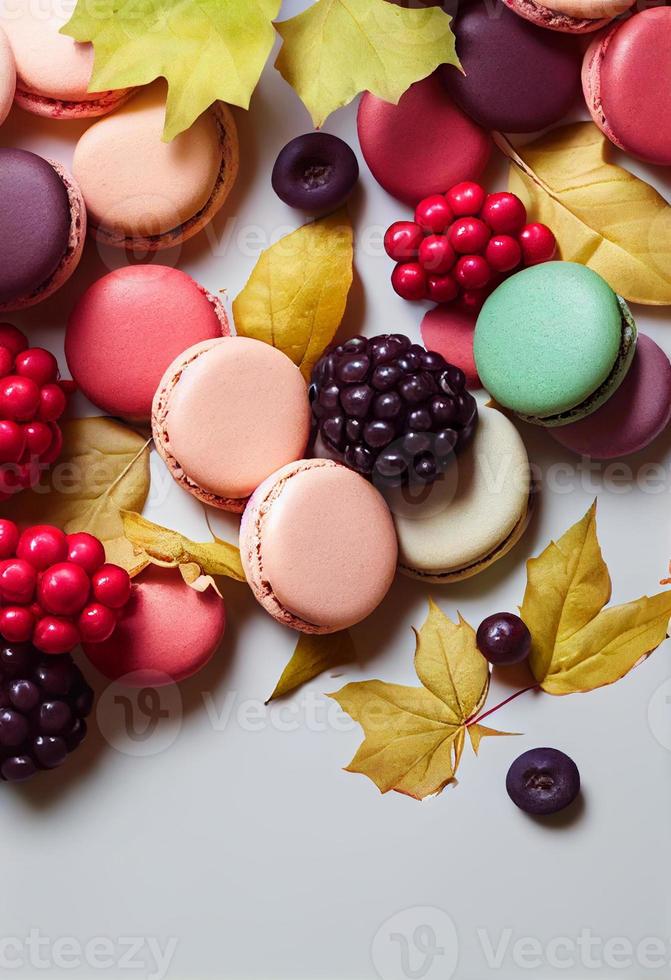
553,343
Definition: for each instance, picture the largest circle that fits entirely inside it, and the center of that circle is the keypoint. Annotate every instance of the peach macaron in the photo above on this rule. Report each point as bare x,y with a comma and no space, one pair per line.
144,193
53,70
7,77
228,413
318,546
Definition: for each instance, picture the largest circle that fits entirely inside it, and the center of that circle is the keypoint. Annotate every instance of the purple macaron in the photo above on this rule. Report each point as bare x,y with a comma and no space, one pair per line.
518,78
636,414
42,228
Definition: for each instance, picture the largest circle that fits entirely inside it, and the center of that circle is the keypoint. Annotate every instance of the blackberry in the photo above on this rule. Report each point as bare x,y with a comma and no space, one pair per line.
44,700
391,410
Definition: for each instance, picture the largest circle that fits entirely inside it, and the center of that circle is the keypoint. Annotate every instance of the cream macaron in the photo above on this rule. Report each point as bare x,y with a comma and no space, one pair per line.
318,546
53,70
228,413
144,193
475,515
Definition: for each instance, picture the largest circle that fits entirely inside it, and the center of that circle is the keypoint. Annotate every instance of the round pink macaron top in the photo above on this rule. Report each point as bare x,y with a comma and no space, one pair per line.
47,63
238,412
448,331
328,546
637,413
424,145
167,631
634,84
128,328
7,77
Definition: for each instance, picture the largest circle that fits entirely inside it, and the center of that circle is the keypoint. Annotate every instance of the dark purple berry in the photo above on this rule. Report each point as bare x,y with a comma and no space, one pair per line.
391,409
43,702
543,781
316,172
504,639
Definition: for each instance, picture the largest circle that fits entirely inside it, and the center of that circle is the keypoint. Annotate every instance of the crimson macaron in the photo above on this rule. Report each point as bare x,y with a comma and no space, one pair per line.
626,79
129,326
449,331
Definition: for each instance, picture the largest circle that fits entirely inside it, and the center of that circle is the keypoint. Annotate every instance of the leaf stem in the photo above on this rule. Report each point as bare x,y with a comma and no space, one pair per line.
517,694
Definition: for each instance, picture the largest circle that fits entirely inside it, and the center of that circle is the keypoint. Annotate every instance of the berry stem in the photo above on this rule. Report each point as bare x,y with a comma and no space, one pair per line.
517,694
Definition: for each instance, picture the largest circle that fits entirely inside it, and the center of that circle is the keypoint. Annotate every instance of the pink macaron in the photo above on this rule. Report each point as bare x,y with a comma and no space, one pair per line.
7,77
449,331
127,329
422,146
53,70
227,414
318,546
636,414
570,16
626,79
166,632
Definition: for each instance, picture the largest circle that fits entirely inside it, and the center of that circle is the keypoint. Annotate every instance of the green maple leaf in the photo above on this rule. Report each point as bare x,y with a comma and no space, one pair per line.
338,48
205,49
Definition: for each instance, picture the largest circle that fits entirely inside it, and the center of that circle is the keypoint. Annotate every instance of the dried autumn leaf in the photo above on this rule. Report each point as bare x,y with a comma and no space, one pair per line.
296,296
577,645
603,216
103,469
338,48
312,656
415,735
170,549
206,49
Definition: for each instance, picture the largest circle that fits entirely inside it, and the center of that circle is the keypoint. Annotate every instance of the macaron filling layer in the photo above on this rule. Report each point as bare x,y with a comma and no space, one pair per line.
608,387
98,104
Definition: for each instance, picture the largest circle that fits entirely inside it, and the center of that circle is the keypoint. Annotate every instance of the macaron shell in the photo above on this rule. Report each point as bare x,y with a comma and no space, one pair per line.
129,326
518,77
570,16
424,145
548,338
627,84
166,633
473,516
228,413
449,332
7,77
636,414
318,546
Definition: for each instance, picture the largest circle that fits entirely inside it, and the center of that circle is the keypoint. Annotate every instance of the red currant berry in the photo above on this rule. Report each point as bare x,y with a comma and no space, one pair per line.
85,550
433,214
12,442
503,253
38,438
96,623
38,364
504,213
52,403
466,198
468,236
54,450
409,281
442,289
12,338
42,546
402,240
54,635
472,300
436,254
19,398
472,272
9,538
111,586
6,361
16,624
17,581
538,244
64,589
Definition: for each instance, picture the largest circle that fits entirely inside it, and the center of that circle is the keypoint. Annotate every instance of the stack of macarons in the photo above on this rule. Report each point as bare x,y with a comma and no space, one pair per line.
556,346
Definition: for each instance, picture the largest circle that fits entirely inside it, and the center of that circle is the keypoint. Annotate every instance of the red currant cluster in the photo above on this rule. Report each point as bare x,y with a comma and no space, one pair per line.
462,245
56,589
31,402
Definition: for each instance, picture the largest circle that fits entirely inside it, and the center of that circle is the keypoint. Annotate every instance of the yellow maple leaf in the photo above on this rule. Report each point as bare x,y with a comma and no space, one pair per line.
312,656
